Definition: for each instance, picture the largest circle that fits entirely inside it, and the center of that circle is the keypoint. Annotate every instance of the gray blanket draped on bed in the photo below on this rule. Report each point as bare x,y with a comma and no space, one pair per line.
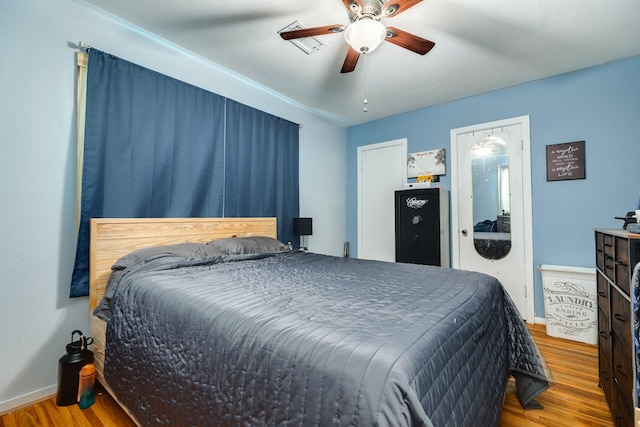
304,339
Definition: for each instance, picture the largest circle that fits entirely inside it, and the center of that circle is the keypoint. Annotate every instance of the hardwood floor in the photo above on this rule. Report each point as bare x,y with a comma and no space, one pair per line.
104,413
575,400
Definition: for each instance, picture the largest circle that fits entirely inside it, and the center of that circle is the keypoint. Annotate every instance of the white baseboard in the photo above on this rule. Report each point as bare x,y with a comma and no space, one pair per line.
537,321
27,399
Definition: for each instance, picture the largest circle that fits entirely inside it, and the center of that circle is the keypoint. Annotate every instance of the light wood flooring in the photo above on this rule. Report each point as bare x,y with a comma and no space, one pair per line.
574,400
105,412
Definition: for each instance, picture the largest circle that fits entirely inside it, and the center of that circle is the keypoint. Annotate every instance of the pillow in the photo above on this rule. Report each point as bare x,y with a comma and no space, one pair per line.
249,245
186,250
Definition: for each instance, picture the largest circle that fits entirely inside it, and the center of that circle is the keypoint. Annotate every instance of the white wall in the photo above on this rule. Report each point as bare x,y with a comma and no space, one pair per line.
37,173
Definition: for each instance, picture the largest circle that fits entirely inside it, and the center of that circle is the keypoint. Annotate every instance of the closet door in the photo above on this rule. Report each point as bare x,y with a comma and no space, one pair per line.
381,171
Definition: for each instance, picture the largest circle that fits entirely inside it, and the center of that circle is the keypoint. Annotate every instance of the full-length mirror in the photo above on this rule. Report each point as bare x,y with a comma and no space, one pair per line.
491,198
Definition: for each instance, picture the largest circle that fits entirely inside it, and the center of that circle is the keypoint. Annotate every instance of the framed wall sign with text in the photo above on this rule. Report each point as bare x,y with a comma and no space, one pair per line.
430,162
566,161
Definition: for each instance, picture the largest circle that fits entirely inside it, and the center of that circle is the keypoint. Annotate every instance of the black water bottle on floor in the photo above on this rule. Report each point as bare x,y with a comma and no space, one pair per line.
69,367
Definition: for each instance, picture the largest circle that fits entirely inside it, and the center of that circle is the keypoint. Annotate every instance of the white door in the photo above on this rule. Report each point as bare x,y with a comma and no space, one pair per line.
492,211
381,171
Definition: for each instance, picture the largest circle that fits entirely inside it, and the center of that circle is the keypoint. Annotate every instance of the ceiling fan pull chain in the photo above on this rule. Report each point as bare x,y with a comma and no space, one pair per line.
365,102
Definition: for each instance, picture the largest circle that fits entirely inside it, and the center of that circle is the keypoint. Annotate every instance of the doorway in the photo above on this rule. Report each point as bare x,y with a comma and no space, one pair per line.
381,171
491,205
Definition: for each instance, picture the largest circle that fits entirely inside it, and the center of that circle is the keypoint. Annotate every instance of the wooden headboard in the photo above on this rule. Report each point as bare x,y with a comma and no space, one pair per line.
112,238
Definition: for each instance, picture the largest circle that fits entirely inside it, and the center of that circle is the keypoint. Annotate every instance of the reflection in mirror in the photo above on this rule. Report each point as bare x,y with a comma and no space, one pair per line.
491,198
504,195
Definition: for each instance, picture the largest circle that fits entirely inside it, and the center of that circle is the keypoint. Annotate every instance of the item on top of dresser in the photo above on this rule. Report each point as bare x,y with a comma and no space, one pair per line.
633,228
630,218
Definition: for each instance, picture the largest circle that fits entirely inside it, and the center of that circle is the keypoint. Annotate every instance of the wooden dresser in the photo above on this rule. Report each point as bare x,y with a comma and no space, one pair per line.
617,252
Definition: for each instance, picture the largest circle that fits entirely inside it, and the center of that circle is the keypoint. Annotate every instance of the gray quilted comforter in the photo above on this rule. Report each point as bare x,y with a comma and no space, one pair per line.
302,339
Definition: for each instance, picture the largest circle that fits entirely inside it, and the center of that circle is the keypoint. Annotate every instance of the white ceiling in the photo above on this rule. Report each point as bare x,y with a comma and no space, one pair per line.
479,46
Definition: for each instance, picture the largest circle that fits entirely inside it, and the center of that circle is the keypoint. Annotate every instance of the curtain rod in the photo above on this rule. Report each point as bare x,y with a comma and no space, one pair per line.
83,46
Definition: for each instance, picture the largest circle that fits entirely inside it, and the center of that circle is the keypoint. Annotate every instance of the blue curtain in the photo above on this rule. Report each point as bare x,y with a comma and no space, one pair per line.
261,177
155,147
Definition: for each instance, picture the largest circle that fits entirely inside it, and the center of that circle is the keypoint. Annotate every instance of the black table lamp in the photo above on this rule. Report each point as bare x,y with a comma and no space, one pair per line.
303,227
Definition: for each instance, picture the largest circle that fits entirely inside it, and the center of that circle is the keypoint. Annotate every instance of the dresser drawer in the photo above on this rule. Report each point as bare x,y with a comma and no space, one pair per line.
622,369
600,251
604,375
600,260
621,318
603,294
622,250
599,241
604,330
609,267
623,279
608,256
621,411
607,244
622,264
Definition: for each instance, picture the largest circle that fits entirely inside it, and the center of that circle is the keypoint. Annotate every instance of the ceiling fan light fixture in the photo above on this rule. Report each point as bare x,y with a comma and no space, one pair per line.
364,35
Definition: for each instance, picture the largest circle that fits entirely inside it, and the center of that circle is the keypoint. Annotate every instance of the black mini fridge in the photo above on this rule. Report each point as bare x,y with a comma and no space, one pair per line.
422,226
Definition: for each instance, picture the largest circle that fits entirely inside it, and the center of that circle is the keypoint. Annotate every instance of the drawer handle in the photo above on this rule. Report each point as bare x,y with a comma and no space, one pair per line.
619,317
604,334
602,294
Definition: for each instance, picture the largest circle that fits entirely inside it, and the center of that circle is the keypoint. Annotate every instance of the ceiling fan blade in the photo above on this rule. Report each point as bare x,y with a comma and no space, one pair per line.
314,31
409,41
350,61
396,7
358,5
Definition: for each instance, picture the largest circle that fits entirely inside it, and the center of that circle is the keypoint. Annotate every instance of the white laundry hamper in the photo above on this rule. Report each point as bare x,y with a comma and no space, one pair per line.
570,302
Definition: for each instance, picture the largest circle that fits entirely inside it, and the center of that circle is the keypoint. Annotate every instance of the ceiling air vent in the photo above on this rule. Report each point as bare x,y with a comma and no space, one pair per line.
308,45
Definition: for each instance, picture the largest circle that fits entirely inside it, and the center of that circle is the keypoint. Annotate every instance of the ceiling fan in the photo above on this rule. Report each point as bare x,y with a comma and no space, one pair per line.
366,32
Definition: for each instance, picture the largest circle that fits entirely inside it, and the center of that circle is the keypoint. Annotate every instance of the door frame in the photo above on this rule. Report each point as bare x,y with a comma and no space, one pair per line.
402,143
525,146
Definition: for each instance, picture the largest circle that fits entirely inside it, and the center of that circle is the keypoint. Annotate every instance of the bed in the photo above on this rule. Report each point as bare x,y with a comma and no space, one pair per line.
285,337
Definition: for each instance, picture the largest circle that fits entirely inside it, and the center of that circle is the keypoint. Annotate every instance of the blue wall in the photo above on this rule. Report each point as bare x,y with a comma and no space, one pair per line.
600,105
